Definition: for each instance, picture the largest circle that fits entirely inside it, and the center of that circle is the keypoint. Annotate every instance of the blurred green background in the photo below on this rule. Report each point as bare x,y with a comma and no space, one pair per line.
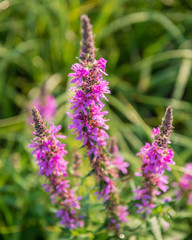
148,47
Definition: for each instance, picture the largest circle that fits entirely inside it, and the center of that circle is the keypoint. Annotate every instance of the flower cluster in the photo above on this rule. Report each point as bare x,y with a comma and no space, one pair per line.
185,184
90,126
155,159
49,152
88,118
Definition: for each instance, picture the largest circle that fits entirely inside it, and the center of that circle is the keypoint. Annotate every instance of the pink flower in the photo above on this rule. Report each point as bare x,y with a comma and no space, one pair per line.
68,220
102,64
109,188
47,106
121,165
155,132
122,213
80,72
157,159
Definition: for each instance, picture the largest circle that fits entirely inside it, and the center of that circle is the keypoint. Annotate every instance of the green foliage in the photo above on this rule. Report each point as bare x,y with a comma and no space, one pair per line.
148,48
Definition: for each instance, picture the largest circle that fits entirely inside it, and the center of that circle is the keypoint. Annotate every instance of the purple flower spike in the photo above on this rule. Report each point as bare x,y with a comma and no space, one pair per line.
88,120
89,123
49,152
155,159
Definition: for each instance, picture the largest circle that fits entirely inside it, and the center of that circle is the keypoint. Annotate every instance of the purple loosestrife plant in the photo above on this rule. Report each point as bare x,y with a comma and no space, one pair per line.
49,152
90,126
155,159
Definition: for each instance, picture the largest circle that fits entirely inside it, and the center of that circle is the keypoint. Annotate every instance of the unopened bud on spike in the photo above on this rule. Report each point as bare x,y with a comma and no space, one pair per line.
167,121
88,47
162,139
40,126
